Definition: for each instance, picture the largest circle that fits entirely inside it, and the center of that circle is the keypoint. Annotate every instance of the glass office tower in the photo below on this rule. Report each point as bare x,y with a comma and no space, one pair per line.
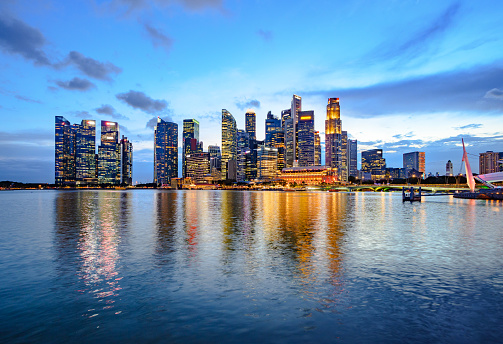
85,152
165,152
333,136
374,163
109,159
250,125
306,138
229,144
64,159
126,161
190,141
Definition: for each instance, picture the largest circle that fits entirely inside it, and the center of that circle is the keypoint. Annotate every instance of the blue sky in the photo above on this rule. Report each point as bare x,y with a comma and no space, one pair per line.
410,75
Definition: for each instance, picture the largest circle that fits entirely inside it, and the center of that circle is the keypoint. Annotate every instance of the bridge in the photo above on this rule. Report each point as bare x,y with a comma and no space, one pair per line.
426,190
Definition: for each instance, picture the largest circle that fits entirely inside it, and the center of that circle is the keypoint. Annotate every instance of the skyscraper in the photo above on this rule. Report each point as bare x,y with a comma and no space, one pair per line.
267,161
333,139
250,125
306,138
229,144
295,108
215,161
488,162
165,152
190,140
64,159
414,160
344,157
374,163
352,157
85,152
198,166
126,161
109,171
317,149
243,146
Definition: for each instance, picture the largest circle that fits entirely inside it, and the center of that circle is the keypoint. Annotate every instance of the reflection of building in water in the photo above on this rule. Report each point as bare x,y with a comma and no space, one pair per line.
166,221
88,231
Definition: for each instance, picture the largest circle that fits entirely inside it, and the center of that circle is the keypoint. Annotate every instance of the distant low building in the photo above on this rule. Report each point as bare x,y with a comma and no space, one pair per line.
309,175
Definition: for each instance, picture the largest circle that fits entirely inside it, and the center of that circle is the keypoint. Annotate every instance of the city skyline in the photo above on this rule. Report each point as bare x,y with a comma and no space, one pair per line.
423,89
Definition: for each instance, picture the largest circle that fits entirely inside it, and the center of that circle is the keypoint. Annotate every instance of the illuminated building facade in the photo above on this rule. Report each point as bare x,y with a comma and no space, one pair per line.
449,169
198,166
267,162
243,146
109,171
414,160
352,154
64,159
126,161
229,144
309,175
85,152
165,152
190,137
488,162
317,149
295,108
374,163
333,135
250,124
344,173
306,138
215,161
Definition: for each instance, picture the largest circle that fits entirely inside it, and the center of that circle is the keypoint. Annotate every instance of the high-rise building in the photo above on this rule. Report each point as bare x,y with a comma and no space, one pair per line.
267,162
198,166
295,108
374,163
109,162
414,160
352,157
250,125
190,141
289,142
305,129
448,169
333,136
64,144
243,146
126,161
165,152
215,161
85,152
317,149
272,129
229,144
488,162
344,173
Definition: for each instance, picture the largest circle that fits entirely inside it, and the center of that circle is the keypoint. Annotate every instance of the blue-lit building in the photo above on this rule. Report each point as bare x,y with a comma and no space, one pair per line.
305,141
109,159
165,152
64,143
85,152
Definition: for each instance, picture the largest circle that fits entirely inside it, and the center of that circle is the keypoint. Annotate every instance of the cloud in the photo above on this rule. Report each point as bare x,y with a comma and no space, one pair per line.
495,93
130,6
425,94
81,114
420,41
469,126
158,38
252,103
212,116
153,121
108,110
265,35
76,84
401,136
91,67
19,38
28,100
141,101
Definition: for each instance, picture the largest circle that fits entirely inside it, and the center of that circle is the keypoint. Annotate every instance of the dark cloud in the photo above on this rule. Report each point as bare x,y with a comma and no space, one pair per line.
252,103
420,42
425,94
28,100
76,84
158,38
469,126
91,67
153,121
265,35
495,93
17,37
81,114
108,110
141,101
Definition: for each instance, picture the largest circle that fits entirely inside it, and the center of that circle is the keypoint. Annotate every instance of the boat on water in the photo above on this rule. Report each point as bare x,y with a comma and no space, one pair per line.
492,192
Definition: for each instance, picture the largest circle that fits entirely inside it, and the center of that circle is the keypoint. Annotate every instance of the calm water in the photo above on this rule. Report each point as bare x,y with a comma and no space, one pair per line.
229,266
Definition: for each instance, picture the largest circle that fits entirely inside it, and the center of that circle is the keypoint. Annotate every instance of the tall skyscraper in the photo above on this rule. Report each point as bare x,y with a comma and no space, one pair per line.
229,144
267,162
317,149
215,161
488,162
344,173
85,152
126,161
448,169
64,159
333,136
295,108
243,146
306,138
109,171
289,130
190,140
165,152
414,160
352,157
250,125
374,163
198,166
